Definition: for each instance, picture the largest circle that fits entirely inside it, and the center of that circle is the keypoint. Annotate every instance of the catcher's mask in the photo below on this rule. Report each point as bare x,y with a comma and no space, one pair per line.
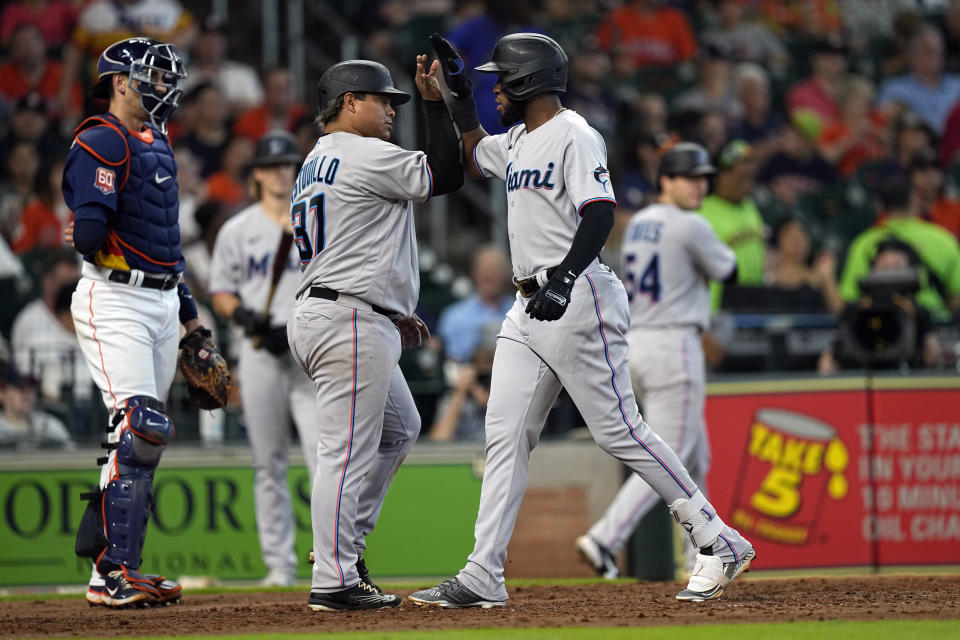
158,74
157,68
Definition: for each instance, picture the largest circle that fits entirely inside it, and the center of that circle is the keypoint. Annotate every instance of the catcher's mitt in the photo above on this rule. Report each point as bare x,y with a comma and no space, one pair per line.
206,372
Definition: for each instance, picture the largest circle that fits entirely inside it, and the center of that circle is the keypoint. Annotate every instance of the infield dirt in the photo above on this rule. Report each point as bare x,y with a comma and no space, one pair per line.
619,604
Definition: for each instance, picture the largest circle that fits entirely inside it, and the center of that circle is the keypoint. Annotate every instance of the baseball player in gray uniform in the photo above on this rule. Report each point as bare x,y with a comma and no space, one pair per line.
254,274
354,231
669,255
568,326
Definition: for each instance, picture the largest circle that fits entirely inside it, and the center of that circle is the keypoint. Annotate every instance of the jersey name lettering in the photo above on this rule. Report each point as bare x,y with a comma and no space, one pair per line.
523,178
646,232
313,171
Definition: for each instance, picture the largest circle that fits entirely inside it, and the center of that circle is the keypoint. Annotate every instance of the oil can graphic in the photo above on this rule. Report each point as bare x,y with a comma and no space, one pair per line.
791,464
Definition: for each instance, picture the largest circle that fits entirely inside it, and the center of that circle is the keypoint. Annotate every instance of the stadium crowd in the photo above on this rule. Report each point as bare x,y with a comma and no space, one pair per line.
834,125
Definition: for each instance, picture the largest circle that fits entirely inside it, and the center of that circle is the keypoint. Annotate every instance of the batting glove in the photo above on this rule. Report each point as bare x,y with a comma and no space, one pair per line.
454,71
275,341
552,299
252,323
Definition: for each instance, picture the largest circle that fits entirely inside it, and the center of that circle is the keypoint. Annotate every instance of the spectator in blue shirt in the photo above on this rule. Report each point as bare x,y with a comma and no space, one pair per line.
461,324
926,90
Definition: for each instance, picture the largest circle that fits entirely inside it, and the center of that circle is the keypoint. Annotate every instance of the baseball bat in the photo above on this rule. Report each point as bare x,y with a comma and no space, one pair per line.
276,272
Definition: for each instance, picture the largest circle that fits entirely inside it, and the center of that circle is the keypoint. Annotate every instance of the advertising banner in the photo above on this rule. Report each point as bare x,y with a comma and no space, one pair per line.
203,523
821,476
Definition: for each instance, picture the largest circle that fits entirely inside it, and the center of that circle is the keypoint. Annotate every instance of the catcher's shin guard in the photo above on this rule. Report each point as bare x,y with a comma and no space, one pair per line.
143,433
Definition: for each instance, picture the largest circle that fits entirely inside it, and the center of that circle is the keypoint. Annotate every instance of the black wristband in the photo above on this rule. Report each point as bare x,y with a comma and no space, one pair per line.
436,108
464,111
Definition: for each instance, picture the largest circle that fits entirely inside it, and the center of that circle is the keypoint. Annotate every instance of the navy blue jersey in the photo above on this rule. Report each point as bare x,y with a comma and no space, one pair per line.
134,177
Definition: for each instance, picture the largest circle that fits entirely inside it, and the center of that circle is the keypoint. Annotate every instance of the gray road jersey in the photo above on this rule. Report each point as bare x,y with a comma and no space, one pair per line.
551,174
353,219
242,262
668,257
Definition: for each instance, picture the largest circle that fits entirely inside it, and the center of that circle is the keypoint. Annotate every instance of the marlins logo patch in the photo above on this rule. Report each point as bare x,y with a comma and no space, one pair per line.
105,180
601,175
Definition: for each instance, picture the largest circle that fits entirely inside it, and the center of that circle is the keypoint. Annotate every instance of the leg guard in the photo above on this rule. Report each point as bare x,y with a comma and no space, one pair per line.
143,433
702,528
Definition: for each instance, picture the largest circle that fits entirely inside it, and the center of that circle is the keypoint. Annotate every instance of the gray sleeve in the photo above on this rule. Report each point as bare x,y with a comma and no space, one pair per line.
584,168
708,252
490,155
394,173
226,269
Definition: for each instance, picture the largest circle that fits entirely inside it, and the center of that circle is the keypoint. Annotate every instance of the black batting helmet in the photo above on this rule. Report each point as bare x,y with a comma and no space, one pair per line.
276,147
362,76
686,159
531,63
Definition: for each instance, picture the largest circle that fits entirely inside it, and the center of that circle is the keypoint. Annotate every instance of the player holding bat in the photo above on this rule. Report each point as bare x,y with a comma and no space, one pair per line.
253,280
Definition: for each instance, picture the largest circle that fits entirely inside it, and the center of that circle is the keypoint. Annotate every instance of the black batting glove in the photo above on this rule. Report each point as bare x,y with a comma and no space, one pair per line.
454,70
252,323
275,341
552,299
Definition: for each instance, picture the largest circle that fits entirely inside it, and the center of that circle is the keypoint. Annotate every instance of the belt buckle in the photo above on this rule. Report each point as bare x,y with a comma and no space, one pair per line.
527,287
170,280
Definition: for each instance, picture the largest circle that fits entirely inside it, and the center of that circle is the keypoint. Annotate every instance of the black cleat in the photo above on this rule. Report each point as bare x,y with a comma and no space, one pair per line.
365,575
359,596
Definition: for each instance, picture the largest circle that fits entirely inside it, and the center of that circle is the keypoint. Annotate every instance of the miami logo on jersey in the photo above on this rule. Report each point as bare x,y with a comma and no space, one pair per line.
529,178
601,175
259,268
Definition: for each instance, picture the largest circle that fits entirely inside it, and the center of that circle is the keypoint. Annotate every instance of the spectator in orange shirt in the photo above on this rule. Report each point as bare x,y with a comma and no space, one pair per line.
45,216
54,19
227,186
818,18
929,199
29,69
861,134
648,33
279,110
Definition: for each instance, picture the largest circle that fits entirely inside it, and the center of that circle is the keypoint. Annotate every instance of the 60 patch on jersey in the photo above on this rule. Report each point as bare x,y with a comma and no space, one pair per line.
105,180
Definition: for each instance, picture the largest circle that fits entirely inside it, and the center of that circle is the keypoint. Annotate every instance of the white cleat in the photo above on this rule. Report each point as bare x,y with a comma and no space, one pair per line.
711,575
599,557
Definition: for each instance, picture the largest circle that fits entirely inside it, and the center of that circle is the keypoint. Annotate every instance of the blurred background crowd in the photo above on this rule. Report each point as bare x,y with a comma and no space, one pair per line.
834,125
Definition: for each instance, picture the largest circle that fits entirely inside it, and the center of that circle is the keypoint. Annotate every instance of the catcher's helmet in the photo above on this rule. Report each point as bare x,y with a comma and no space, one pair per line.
157,68
364,76
117,58
276,147
531,63
686,159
